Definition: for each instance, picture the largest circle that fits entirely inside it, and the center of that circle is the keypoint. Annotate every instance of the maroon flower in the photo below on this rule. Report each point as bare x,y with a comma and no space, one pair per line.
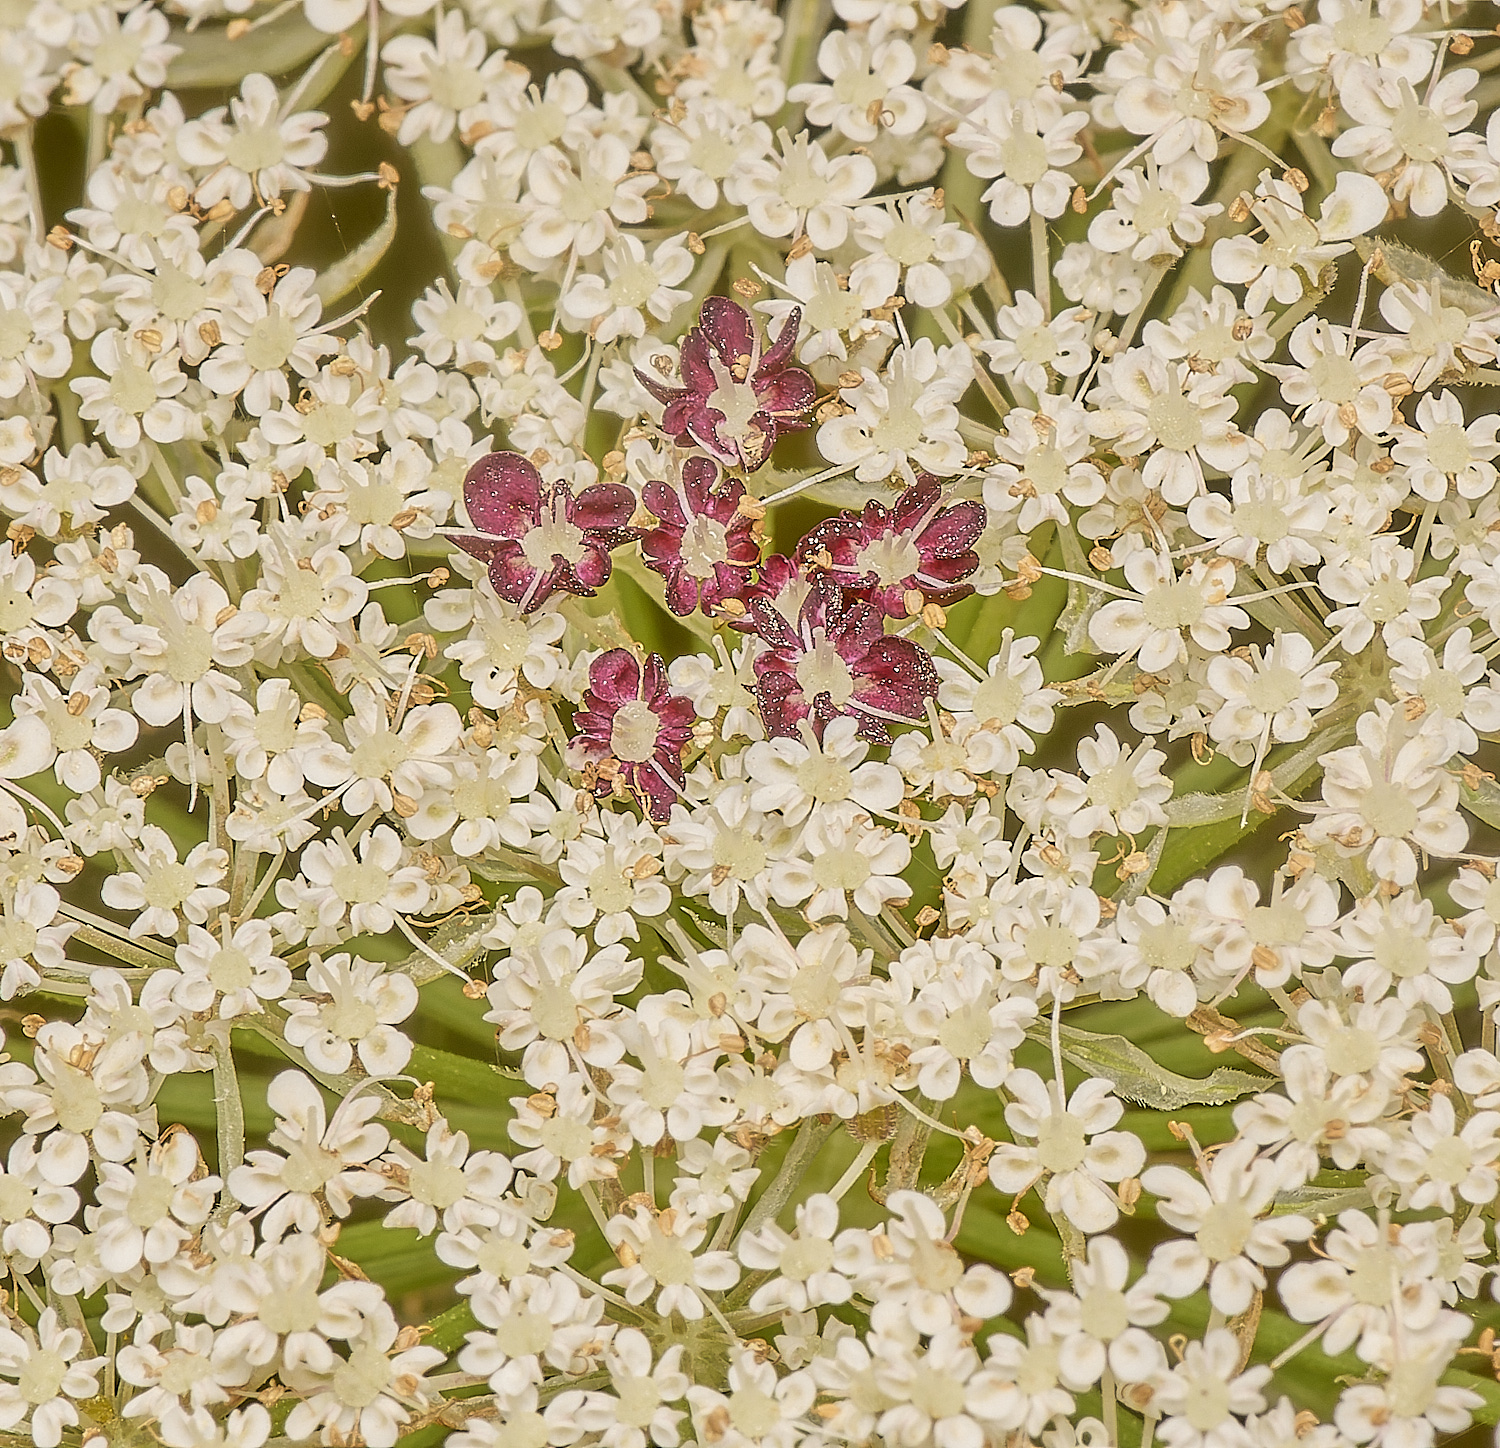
782,586
631,716
735,400
914,546
704,546
837,660
538,538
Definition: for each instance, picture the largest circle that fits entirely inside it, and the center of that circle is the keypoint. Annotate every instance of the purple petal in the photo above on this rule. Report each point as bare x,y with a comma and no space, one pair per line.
697,374
727,325
777,353
501,491
663,392
604,505
790,391
615,677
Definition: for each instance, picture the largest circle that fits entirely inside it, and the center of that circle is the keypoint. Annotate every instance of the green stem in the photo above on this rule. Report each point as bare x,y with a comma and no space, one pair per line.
25,144
810,1139
230,1110
1041,262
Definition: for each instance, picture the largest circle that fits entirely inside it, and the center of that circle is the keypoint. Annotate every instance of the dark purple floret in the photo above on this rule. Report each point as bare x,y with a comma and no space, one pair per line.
630,715
916,546
735,399
704,547
537,538
836,660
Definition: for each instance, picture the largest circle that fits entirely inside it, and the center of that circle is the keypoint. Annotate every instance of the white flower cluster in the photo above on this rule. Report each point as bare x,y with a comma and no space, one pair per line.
1121,697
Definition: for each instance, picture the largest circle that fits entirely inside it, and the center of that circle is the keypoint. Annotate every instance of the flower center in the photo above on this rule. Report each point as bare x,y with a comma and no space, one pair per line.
1106,1313
1335,377
437,1183
254,148
609,891
823,777
554,538
705,544
1051,944
891,558
739,854
1176,420
150,1200
1173,605
456,86
633,732
1206,1405
1351,1051
555,1012
844,869
16,332
1363,35
634,285
1448,448
997,700
1024,156
363,1378
736,403
668,1261
1273,688
1389,812
360,882
821,671
1157,209
1387,599
351,1017
42,1377
503,1257
131,389
1225,1230
1061,1143
271,342
1419,132
907,243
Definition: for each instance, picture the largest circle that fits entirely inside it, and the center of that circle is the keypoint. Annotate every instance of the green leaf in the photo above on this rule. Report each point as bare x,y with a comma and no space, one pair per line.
1487,1388
445,1004
1396,263
396,1257
458,942
1210,825
462,1078
1315,1201
1138,1078
1083,602
449,1328
349,271
209,60
1483,802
